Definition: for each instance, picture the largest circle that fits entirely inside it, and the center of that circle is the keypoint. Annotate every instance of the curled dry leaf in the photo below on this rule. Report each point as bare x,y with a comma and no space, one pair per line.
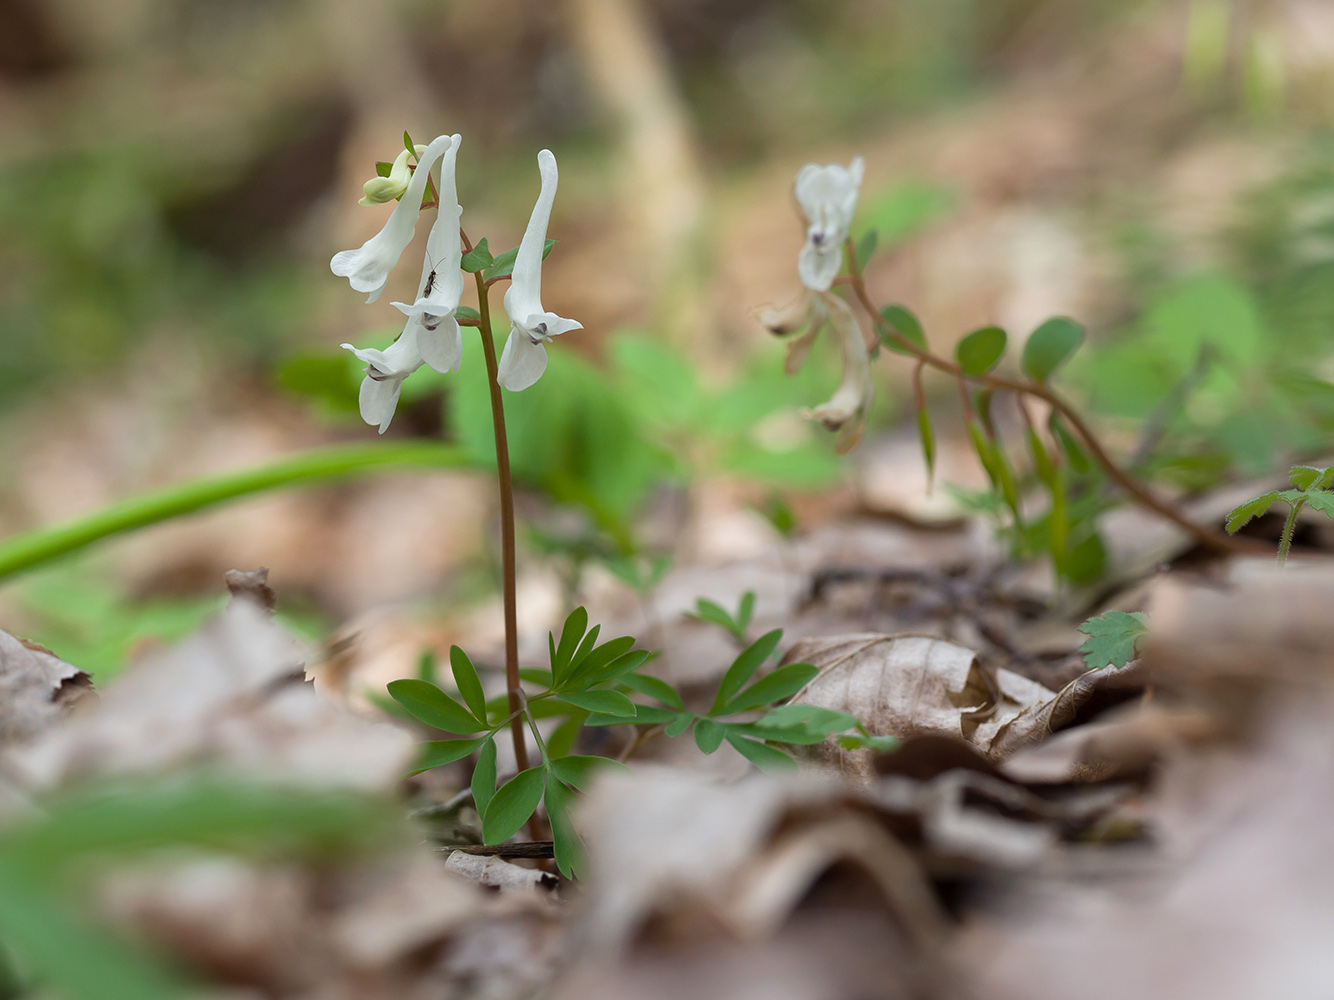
230,696
910,684
36,688
1086,696
497,873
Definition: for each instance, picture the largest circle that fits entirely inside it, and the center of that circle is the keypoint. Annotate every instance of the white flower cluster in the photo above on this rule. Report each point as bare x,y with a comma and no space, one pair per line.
828,197
431,335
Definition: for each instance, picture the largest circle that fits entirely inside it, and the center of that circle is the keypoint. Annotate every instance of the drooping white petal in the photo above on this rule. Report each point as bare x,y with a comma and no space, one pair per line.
367,268
385,372
442,348
522,362
431,318
828,197
525,358
847,409
524,296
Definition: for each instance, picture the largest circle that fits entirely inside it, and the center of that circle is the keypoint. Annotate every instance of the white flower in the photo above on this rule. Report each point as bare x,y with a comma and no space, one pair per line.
431,321
385,372
828,197
525,358
367,268
847,410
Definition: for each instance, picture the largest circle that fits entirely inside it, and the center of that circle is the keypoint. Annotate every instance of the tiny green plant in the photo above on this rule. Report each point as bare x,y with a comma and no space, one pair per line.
591,682
1113,638
735,624
1312,489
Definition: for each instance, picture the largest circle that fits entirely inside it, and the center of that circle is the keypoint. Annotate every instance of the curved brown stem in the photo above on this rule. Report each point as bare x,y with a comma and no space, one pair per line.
506,520
1204,535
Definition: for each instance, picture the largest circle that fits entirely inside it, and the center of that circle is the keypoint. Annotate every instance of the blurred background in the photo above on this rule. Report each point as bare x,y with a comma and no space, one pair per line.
175,175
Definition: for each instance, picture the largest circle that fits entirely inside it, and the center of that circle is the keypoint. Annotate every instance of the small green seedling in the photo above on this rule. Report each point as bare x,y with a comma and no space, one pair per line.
710,611
1112,638
1312,490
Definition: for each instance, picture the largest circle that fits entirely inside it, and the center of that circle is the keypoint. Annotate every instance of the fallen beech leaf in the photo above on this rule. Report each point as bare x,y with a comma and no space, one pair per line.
36,688
1084,697
910,684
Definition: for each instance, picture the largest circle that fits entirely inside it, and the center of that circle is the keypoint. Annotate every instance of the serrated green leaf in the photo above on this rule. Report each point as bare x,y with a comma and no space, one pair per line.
654,687
1112,638
907,326
709,735
1323,502
602,702
782,683
981,350
1049,346
484,776
430,705
679,724
437,753
478,258
568,848
469,684
503,265
763,756
513,803
1240,515
579,771
744,666
866,249
1304,476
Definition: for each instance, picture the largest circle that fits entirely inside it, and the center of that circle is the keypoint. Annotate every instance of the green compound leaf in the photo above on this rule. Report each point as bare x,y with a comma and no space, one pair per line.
644,715
654,687
1240,515
503,264
580,771
477,258
562,738
603,702
679,724
763,756
569,849
1323,502
813,718
1304,476
866,249
743,667
563,655
907,326
484,776
1112,638
714,613
709,735
437,753
512,804
1049,346
782,683
981,350
428,704
746,610
469,684
594,666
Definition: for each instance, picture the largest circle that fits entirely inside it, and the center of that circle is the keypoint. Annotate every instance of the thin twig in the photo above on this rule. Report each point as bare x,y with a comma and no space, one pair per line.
1204,535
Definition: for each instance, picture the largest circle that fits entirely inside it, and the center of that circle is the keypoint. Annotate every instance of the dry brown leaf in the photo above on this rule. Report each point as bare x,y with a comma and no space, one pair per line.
1085,696
909,684
36,688
230,696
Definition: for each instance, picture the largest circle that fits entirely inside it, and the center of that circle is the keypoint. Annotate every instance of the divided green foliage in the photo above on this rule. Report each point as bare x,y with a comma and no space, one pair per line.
1312,491
1112,638
502,265
710,611
590,684
478,257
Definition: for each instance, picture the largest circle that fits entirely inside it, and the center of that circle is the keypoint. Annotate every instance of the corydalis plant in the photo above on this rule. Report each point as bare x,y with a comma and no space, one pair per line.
432,336
1067,460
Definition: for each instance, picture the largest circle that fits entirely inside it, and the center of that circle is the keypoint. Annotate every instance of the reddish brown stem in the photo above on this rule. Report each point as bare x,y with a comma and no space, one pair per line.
1204,535
507,556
